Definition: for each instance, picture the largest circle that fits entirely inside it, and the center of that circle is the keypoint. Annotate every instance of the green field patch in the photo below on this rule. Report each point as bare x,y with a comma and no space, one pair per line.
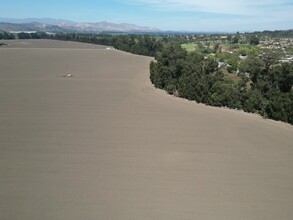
190,47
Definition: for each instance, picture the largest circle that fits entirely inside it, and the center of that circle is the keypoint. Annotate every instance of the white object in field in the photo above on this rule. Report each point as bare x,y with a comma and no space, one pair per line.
68,75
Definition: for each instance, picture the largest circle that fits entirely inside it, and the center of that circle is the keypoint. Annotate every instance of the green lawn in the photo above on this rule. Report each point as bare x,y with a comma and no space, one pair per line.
190,47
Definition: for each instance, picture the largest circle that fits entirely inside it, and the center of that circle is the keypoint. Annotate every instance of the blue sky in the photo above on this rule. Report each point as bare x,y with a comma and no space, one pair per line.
189,15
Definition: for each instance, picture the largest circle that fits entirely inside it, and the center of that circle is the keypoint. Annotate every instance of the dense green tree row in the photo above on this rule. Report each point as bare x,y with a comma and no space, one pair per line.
6,36
137,44
265,87
23,35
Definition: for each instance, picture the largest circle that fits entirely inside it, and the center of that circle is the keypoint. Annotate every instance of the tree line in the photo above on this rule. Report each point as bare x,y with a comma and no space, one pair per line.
137,44
6,36
265,87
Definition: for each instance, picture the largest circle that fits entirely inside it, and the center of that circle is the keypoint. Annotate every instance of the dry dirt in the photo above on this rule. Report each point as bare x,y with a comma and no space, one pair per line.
104,144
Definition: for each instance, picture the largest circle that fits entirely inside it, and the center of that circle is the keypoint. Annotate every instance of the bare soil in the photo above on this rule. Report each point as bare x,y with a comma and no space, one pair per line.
105,144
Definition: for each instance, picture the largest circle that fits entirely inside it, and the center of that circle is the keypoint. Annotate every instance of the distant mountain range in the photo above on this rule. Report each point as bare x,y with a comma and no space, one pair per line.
60,25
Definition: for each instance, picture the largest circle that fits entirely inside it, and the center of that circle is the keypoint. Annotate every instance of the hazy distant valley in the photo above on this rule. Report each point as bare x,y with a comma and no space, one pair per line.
48,24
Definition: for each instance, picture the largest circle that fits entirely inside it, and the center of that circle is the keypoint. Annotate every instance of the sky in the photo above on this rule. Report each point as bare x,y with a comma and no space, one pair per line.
176,15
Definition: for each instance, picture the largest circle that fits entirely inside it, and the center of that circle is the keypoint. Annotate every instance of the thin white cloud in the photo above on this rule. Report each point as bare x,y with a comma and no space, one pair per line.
219,15
232,7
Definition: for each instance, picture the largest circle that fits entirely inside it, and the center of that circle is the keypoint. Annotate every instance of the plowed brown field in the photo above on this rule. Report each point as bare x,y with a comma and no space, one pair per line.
105,145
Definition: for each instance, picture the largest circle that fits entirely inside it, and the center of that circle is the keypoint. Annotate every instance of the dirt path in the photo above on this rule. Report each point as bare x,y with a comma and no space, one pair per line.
104,144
